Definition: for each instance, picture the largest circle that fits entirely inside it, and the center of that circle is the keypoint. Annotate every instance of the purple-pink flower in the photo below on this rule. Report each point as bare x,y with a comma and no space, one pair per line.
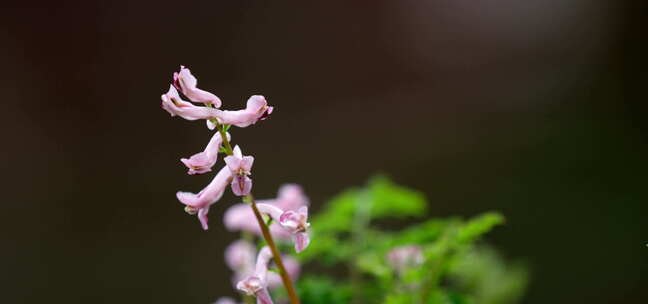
240,217
257,283
290,197
240,255
202,162
240,167
200,202
295,222
225,300
172,103
257,109
404,257
186,83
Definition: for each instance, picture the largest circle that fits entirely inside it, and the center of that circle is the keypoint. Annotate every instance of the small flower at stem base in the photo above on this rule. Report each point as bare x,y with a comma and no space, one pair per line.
225,300
256,284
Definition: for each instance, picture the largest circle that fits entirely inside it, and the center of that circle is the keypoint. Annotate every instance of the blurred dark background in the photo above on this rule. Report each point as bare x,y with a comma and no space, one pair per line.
535,108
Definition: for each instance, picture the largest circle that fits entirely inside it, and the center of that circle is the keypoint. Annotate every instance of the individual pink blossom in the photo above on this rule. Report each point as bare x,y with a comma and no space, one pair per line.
295,222
172,103
202,162
291,197
257,109
240,255
200,202
186,83
225,300
240,167
404,257
257,283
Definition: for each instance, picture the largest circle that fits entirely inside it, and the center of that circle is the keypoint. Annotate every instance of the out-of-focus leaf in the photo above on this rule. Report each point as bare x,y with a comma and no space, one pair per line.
322,290
478,226
337,215
482,273
393,201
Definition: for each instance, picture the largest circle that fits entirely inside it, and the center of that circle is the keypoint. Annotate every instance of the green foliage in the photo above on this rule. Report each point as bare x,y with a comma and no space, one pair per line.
322,290
478,226
454,268
492,280
389,200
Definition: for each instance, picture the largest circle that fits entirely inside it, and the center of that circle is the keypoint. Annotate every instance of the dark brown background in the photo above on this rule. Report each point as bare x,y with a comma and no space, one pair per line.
535,108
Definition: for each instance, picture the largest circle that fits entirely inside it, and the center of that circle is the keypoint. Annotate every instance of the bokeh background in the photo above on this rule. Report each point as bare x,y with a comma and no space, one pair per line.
535,108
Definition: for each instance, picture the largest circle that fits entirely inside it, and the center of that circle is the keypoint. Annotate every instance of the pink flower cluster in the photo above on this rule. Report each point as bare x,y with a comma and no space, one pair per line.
289,210
238,167
257,107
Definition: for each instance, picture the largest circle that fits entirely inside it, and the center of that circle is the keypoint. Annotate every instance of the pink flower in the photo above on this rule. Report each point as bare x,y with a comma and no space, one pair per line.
172,103
200,203
225,300
404,257
240,255
257,109
240,167
186,83
240,217
257,284
295,222
202,162
291,197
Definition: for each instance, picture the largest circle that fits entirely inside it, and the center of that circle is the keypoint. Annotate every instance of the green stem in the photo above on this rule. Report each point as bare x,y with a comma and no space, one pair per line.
292,294
226,143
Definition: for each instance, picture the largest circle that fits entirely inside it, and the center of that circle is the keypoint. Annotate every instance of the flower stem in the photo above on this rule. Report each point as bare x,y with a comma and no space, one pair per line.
226,143
292,294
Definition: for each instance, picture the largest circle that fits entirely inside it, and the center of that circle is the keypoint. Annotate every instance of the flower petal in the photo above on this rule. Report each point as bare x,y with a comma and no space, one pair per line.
301,240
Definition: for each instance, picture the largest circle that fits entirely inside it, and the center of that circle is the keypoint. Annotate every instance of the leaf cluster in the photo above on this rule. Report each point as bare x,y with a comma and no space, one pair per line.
456,266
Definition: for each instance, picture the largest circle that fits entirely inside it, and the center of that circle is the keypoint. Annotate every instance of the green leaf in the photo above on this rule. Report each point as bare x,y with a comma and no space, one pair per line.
484,275
337,215
393,201
478,226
